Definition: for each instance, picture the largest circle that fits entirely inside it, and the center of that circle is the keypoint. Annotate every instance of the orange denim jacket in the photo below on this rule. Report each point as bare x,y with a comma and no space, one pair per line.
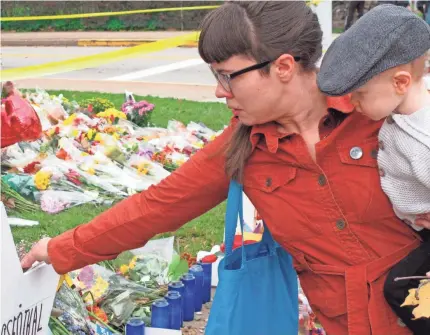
331,215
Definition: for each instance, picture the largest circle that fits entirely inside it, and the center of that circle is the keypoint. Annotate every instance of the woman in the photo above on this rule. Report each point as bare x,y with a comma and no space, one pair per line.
307,163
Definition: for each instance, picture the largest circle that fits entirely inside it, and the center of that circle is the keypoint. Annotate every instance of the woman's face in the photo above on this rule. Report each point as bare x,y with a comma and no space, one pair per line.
252,97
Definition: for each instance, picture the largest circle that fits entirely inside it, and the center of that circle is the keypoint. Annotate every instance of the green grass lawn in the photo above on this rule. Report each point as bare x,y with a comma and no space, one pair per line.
199,234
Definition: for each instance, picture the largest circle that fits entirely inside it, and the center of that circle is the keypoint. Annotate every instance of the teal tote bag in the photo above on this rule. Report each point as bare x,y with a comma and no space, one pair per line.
257,292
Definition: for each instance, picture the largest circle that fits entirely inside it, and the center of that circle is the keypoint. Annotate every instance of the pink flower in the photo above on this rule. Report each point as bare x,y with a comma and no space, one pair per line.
86,276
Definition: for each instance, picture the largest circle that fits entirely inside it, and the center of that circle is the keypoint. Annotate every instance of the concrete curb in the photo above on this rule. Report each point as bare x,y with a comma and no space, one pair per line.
85,43
123,43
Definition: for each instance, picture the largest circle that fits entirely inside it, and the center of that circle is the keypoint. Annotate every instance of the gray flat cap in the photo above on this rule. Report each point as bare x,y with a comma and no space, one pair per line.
385,37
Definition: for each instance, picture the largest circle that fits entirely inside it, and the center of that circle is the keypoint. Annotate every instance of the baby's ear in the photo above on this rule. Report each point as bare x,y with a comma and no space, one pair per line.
402,81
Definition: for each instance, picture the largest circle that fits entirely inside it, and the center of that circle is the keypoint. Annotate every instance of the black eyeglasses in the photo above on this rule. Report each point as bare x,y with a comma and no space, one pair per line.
225,79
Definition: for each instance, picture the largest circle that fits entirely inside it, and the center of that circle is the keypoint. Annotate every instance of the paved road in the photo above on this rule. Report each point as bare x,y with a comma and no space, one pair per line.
178,65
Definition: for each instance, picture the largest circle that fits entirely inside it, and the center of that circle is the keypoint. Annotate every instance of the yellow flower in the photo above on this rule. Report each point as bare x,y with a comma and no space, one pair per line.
69,120
90,134
41,180
91,171
123,269
98,138
84,154
98,289
199,144
133,262
50,132
115,136
112,112
75,132
143,168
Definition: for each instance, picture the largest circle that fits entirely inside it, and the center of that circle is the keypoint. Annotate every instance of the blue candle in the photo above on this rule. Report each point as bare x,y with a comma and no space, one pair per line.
197,271
175,309
160,314
207,281
190,282
178,286
135,326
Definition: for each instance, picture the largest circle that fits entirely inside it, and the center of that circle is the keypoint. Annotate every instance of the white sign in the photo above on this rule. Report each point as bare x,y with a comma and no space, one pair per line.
26,298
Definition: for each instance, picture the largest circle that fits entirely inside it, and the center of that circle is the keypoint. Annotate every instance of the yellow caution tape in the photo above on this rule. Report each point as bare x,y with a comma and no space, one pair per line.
80,16
85,62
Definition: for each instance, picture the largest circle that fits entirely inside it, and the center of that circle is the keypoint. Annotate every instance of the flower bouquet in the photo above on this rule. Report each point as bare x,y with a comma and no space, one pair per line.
137,112
72,314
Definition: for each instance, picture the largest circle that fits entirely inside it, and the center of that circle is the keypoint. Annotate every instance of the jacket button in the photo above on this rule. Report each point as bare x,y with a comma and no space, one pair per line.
356,153
340,224
269,182
390,119
374,153
381,145
381,172
322,181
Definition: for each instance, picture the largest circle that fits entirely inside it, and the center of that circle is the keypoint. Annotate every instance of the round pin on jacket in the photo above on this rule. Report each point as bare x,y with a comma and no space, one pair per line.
356,153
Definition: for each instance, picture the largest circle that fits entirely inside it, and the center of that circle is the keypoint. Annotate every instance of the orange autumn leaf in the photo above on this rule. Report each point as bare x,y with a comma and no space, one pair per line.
419,297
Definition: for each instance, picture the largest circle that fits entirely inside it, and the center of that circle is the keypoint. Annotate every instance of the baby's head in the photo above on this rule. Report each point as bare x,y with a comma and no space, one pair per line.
380,60
387,91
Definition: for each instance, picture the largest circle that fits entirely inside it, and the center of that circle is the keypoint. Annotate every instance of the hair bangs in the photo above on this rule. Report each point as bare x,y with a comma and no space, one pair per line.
225,32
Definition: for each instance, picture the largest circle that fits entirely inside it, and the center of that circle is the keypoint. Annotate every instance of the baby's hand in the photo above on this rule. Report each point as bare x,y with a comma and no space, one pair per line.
423,220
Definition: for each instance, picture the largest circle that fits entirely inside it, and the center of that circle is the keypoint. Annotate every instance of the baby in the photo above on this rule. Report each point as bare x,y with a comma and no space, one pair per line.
381,61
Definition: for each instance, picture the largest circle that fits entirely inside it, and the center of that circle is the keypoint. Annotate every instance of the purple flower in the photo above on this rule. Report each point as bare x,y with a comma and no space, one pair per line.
86,276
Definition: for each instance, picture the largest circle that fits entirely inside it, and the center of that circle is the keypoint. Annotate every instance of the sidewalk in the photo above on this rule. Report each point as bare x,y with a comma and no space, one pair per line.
88,38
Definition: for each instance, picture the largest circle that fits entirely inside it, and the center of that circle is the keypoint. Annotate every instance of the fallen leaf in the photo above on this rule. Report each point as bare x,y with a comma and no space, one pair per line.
410,299
419,297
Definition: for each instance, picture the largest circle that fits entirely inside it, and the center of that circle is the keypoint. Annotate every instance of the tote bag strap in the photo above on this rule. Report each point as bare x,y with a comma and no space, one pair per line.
234,207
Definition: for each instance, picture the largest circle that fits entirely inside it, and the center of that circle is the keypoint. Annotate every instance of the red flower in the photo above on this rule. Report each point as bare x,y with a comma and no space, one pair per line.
62,154
90,108
97,311
31,168
73,177
57,130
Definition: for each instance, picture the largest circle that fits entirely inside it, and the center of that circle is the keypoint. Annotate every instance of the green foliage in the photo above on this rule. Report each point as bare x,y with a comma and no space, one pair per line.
152,25
98,104
114,24
177,268
68,25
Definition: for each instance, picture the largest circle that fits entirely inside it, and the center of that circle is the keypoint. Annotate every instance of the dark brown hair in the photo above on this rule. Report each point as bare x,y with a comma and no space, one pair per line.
262,31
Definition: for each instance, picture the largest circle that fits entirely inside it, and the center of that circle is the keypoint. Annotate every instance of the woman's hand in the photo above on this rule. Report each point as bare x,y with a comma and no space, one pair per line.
423,220
39,252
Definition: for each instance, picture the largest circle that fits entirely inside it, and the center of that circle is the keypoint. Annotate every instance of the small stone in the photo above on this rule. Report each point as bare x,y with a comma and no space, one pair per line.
197,317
